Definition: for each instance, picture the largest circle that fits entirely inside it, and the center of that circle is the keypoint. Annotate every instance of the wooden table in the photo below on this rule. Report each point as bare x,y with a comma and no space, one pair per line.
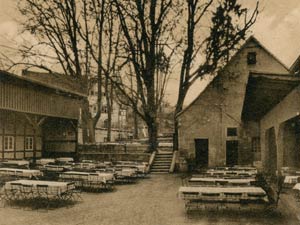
230,173
65,160
20,172
56,168
126,172
225,194
53,186
81,165
104,177
16,163
291,179
297,187
44,161
220,181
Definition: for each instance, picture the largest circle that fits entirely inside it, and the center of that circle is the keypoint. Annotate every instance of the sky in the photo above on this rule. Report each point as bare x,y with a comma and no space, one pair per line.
277,28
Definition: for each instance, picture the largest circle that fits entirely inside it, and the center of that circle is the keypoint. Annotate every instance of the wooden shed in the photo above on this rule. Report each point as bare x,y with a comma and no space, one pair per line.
39,115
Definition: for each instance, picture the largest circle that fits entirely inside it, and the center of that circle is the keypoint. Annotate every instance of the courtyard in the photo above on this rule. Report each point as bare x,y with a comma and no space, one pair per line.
151,201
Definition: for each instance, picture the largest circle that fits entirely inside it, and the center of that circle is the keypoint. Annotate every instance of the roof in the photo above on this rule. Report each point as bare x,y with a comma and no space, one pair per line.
264,91
55,81
251,38
295,66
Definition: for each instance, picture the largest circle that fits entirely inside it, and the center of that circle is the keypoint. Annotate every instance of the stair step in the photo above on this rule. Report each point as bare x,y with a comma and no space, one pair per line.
161,163
162,160
164,157
160,170
160,166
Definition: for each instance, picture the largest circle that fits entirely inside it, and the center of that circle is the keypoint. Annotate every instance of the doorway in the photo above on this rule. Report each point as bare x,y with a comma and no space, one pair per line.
201,152
232,153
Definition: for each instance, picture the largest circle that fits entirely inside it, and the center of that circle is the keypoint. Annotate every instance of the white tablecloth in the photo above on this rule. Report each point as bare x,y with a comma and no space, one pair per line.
291,179
65,159
256,190
104,177
56,168
16,162
20,172
297,187
53,186
126,172
222,193
44,161
216,180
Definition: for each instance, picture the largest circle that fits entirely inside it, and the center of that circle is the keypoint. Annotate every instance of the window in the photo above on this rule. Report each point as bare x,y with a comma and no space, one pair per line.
104,109
28,143
105,123
232,132
95,109
251,58
9,143
255,144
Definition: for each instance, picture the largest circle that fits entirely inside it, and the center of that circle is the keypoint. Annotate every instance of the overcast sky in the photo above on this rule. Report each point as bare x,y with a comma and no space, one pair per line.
278,28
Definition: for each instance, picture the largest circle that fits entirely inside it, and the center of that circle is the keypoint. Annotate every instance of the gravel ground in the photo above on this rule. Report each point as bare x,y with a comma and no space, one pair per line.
151,201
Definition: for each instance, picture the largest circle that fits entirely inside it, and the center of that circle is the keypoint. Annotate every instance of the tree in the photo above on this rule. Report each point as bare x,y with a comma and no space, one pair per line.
214,45
70,37
145,36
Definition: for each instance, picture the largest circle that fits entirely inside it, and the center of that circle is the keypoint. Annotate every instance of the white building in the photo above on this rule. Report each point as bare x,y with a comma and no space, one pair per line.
119,129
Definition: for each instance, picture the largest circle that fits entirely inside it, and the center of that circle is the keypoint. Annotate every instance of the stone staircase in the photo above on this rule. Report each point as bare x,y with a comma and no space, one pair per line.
162,162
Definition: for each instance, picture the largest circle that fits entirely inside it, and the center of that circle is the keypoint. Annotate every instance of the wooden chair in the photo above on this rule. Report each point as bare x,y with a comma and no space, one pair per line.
42,199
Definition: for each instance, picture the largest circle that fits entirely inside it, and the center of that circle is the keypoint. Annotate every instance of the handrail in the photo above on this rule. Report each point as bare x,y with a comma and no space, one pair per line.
151,160
172,167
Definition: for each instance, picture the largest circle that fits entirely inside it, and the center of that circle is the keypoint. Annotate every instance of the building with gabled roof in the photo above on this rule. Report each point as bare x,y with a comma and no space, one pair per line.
38,116
229,122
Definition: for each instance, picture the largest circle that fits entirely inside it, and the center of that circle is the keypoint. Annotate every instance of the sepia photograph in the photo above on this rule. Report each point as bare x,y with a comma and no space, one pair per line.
149,112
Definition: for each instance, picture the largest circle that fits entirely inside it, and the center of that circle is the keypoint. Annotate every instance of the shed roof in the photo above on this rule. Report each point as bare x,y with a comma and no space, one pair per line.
264,91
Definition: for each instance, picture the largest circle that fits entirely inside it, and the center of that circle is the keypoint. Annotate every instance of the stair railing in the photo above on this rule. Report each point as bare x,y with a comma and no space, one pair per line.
151,160
172,167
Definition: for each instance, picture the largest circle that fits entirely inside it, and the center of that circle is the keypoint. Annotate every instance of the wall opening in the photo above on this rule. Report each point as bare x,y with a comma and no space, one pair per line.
201,152
232,153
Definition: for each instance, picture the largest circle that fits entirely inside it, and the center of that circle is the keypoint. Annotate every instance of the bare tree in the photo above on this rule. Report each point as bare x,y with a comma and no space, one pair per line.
145,40
228,26
70,37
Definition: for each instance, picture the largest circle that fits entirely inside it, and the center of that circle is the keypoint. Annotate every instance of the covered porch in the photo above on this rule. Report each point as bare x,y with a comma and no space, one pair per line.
267,103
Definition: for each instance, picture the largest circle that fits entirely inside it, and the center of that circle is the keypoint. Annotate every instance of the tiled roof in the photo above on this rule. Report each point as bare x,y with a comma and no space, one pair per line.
56,81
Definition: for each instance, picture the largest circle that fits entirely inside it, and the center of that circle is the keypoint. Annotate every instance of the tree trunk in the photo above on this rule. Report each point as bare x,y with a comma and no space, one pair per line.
152,134
109,112
178,109
92,131
136,126
88,124
175,135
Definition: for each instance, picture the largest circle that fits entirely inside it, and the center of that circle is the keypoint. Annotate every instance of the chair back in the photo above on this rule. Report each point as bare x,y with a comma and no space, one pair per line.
27,188
42,187
16,186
